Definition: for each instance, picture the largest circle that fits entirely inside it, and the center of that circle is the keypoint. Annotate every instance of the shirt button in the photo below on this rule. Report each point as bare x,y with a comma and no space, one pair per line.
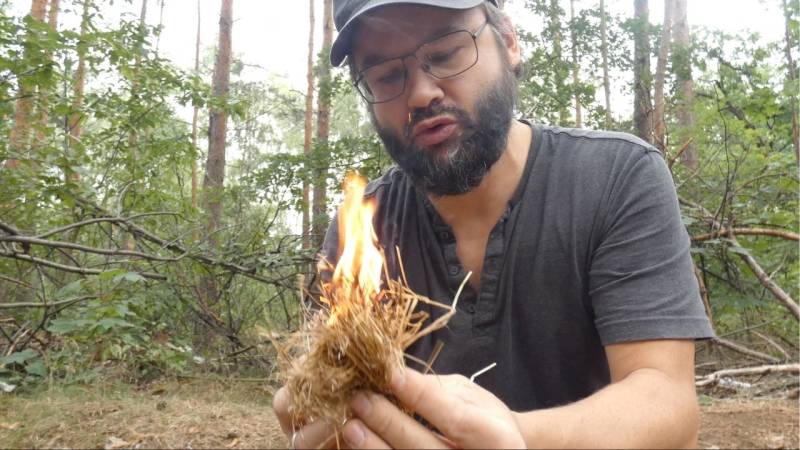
445,236
454,270
471,309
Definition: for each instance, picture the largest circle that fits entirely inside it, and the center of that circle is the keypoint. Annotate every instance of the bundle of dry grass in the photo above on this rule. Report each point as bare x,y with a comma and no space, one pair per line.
360,332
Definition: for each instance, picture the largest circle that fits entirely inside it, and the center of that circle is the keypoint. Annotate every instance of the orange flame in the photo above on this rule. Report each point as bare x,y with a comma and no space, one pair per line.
358,271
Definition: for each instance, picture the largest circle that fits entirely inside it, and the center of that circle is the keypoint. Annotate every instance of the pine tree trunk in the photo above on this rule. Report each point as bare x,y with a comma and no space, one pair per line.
682,63
307,140
791,67
320,216
74,121
642,104
195,111
575,66
217,125
554,24
19,138
44,97
604,51
659,122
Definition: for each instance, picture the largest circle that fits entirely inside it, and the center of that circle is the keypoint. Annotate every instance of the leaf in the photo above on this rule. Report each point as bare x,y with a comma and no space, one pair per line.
9,426
132,277
36,368
70,290
115,442
5,387
63,326
738,250
19,357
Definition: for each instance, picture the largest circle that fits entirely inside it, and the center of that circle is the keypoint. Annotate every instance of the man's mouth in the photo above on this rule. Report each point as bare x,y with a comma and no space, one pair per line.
434,131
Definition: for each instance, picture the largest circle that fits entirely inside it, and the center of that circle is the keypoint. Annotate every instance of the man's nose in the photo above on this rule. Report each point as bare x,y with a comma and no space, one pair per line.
422,88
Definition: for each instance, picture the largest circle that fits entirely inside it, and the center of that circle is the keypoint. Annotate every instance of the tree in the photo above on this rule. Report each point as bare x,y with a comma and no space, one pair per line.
19,137
307,137
320,215
217,124
195,111
576,65
604,52
554,30
791,37
659,124
642,104
682,65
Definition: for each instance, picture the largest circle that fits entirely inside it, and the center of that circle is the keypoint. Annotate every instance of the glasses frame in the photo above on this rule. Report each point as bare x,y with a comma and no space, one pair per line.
425,67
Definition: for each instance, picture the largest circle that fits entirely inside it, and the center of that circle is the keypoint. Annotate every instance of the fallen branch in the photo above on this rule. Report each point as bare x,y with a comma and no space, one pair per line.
84,248
745,351
72,269
767,282
714,377
47,305
747,231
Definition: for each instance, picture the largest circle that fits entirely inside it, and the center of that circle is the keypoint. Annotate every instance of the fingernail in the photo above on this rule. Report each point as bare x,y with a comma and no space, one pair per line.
354,434
361,405
398,379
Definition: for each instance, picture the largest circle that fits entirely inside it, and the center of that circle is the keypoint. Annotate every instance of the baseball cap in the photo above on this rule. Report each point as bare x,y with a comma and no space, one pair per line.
345,13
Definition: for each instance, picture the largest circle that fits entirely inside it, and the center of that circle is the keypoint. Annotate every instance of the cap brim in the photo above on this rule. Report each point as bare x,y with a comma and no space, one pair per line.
341,45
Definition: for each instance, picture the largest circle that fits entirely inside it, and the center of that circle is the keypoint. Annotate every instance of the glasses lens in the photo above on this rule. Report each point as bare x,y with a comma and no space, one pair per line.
449,55
383,82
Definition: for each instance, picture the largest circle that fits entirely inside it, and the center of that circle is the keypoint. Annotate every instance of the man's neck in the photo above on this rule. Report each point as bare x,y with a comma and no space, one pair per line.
482,206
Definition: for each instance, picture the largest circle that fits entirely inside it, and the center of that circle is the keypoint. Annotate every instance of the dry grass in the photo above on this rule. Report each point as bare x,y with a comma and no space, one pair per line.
171,415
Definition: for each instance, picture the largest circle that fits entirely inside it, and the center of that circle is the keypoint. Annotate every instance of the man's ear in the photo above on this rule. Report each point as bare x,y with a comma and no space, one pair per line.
511,42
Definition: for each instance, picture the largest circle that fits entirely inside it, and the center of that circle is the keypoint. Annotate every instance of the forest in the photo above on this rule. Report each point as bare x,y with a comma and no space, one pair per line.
159,222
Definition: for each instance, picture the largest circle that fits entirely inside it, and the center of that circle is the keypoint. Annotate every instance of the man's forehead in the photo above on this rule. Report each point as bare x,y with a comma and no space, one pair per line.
393,30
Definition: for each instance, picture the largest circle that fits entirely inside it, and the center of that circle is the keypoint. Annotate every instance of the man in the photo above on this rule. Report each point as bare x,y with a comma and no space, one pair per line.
582,289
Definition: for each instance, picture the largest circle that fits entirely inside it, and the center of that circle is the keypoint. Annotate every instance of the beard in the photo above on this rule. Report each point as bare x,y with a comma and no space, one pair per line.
457,165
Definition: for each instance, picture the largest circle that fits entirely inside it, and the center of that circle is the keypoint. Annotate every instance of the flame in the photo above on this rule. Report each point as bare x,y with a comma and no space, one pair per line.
357,276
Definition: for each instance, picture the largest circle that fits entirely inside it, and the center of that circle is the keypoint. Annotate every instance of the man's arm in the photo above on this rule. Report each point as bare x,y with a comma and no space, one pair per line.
651,402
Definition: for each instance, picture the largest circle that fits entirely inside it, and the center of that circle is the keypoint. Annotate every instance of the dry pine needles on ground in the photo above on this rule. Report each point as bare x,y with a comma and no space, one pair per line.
358,335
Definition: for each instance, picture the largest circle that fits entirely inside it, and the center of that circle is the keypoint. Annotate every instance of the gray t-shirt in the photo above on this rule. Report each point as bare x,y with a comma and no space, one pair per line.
590,251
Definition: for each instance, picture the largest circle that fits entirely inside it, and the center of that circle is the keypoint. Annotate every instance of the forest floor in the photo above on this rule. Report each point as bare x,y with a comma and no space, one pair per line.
204,414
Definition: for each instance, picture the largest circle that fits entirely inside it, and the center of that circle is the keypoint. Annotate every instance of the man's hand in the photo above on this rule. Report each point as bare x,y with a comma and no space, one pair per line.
314,435
467,415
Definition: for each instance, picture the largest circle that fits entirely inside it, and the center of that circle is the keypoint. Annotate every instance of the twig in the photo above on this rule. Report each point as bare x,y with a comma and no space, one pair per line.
73,269
683,148
759,370
747,231
47,305
84,248
745,351
774,344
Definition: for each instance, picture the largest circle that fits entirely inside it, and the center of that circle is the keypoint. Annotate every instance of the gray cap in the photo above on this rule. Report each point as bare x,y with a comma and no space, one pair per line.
345,13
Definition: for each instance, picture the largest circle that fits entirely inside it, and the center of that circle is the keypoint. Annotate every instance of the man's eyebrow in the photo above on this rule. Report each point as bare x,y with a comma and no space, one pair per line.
374,58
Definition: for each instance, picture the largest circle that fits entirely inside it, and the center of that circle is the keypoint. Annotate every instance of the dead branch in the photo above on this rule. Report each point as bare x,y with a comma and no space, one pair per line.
67,268
748,232
759,370
47,305
677,155
767,282
774,344
84,248
745,351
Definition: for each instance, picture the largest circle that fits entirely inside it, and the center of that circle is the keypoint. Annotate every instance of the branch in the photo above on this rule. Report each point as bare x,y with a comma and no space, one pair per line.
47,305
767,282
83,248
749,232
73,269
683,148
760,370
745,351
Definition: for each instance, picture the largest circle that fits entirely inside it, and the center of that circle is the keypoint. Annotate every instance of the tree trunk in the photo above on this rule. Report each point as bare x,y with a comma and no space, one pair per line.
307,140
217,125
791,67
682,63
320,216
195,111
659,123
642,104
575,66
554,25
604,51
44,97
160,23
20,133
74,121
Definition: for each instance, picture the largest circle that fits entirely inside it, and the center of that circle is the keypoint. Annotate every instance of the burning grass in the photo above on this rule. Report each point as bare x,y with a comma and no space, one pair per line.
360,333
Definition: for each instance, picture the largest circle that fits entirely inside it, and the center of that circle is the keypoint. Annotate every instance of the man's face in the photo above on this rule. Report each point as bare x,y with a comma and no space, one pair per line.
444,133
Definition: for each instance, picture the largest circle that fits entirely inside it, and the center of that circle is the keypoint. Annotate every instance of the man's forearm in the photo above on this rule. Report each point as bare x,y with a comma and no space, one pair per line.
647,409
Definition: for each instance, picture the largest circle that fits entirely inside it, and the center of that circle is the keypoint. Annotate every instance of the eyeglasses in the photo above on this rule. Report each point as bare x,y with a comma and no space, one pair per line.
443,57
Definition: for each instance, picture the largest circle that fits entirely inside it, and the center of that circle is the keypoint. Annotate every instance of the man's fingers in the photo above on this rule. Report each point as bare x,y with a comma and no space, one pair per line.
390,423
317,434
426,396
281,404
357,435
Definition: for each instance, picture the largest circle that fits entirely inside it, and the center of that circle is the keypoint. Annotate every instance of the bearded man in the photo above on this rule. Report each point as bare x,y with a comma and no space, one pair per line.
582,289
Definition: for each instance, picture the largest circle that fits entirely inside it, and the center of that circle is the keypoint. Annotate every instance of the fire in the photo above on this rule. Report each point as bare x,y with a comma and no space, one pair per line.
358,272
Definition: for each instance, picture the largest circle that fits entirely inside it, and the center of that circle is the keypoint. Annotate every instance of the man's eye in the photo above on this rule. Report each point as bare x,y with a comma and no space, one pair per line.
442,56
391,77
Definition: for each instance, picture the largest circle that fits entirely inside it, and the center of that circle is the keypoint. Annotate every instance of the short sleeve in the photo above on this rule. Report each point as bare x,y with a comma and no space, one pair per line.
642,283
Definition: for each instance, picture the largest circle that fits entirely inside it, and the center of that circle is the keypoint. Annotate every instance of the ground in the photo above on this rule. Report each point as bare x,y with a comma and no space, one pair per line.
203,414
